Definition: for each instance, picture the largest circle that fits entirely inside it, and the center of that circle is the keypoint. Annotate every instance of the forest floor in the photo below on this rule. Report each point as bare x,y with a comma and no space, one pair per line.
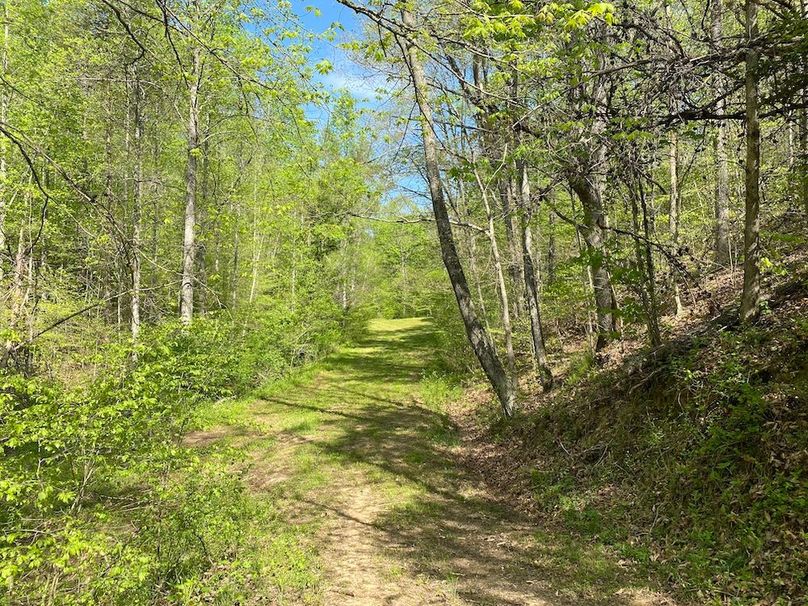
365,468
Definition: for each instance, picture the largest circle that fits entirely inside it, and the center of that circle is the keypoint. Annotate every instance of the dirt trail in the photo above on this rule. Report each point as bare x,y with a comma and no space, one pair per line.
362,448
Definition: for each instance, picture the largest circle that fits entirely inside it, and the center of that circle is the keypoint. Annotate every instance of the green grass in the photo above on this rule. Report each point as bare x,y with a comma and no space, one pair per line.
372,418
294,438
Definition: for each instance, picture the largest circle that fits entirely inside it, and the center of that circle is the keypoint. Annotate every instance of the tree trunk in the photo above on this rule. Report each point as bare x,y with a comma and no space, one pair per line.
802,164
802,113
234,261
722,230
189,243
750,298
506,194
3,140
673,217
587,179
499,275
136,208
532,296
588,191
258,247
551,250
17,300
472,252
480,340
645,261
203,220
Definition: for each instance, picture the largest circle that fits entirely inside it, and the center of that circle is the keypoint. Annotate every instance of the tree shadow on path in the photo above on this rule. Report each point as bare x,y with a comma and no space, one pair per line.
451,537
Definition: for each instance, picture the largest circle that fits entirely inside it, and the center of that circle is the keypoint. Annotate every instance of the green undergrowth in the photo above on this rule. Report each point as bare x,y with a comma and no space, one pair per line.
103,502
693,468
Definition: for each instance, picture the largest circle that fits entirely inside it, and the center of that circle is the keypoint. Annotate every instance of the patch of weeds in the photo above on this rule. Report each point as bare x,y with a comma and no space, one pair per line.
549,488
581,366
228,412
309,472
443,432
417,457
633,550
401,492
586,520
289,562
394,572
436,389
304,426
297,377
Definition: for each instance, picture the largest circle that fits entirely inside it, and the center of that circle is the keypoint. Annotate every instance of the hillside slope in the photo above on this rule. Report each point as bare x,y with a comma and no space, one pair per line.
690,459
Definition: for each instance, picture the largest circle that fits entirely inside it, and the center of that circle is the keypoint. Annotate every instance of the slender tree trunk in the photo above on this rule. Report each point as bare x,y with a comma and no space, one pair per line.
645,260
586,277
480,340
532,296
17,299
551,249
234,277
499,275
790,141
189,243
588,180
201,294
722,229
472,251
475,274
802,164
673,217
750,298
258,246
506,194
650,270
802,113
3,141
136,208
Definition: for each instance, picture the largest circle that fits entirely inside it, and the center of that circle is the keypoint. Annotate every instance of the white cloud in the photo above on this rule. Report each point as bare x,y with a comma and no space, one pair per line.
361,86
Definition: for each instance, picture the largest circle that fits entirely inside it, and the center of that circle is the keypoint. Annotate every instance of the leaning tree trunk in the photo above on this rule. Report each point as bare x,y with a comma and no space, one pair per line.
750,298
480,340
188,242
551,249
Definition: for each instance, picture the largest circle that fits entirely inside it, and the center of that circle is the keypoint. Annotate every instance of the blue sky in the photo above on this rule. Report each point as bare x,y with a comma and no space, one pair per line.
346,74
361,83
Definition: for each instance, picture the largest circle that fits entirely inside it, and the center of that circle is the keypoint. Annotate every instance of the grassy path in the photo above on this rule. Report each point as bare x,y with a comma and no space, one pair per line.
362,469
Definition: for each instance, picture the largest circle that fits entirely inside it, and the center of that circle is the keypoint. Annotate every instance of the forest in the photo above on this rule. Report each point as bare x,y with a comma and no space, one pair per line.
358,302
